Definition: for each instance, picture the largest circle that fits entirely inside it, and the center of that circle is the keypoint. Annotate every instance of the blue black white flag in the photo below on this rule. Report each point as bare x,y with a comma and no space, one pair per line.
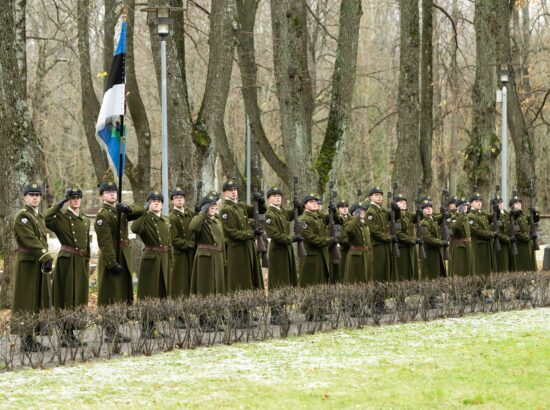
110,131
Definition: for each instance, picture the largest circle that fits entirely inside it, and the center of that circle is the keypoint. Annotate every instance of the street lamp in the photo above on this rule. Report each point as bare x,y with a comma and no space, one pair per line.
504,73
163,21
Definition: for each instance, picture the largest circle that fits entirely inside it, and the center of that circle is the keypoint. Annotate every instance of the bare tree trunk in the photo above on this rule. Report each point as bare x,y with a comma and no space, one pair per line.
426,95
454,90
293,83
19,9
523,141
246,10
343,84
484,146
90,104
407,162
21,155
209,127
109,25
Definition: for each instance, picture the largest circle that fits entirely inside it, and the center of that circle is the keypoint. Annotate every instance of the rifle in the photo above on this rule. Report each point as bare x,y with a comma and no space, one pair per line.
198,197
258,223
297,224
533,225
359,193
494,220
393,225
421,249
512,232
445,234
333,228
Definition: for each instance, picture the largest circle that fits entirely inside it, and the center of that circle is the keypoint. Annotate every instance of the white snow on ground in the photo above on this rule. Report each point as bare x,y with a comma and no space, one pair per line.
266,362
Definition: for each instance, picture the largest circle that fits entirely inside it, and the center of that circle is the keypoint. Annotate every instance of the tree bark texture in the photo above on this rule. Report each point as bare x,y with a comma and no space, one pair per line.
21,155
426,95
343,84
407,160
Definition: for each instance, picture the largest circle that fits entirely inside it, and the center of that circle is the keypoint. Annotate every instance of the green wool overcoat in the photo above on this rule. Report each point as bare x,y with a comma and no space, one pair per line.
282,264
523,261
71,274
433,267
114,288
183,247
461,261
482,242
407,262
378,221
359,261
315,266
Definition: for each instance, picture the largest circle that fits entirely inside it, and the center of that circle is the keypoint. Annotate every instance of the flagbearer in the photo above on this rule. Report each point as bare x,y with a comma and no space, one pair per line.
70,276
154,230
33,259
114,265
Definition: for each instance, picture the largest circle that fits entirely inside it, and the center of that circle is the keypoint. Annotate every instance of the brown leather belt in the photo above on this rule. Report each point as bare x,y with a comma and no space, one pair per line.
22,249
215,248
123,244
461,240
76,251
157,248
359,248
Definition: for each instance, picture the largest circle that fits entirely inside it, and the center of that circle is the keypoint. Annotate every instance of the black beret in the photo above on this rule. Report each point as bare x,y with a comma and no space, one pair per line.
155,195
359,205
107,186
208,199
425,203
176,192
375,190
310,197
453,200
342,203
32,188
74,192
513,200
274,191
229,184
475,197
399,197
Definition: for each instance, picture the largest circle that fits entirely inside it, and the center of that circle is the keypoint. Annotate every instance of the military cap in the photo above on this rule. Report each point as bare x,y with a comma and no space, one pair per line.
399,197
375,190
342,203
461,201
360,205
208,199
74,192
176,191
274,191
425,203
32,188
155,195
513,200
424,198
215,194
229,184
476,196
453,200
310,197
107,186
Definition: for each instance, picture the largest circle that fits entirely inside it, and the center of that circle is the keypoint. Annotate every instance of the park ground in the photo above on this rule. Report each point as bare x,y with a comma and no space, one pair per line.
482,361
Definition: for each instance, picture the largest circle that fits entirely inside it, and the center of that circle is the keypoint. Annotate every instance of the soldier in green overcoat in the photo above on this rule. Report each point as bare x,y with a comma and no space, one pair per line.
208,267
482,237
407,261
114,266
315,267
70,277
359,257
378,221
433,267
183,245
461,262
339,271
282,264
503,257
523,261
31,286
243,264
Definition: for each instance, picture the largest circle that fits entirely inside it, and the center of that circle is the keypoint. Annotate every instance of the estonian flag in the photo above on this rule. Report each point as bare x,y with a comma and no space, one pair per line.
109,128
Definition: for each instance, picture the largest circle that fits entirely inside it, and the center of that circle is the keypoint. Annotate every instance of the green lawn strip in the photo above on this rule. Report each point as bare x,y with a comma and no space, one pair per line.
486,361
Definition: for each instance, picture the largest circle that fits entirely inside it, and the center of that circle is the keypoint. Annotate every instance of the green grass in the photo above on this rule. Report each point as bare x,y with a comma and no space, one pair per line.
482,362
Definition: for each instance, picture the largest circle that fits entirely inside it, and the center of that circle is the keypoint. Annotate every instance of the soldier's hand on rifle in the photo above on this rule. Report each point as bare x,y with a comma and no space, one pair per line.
332,241
258,196
204,209
65,199
534,236
515,213
419,241
513,239
357,213
419,214
47,266
297,238
122,208
394,206
296,204
258,231
332,208
117,269
394,238
445,243
444,213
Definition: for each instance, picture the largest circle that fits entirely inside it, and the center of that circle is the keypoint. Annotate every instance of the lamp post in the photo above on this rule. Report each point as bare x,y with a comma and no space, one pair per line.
163,20
504,73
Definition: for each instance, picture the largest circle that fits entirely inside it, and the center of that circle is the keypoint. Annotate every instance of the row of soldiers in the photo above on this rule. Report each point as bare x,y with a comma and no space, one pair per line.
214,248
